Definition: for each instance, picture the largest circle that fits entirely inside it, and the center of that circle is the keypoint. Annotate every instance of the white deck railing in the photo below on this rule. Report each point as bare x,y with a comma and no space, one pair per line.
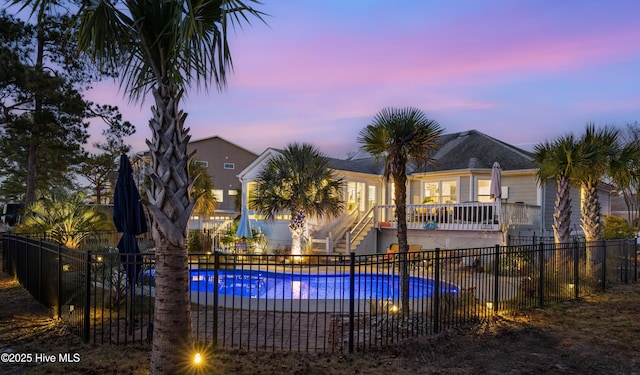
494,216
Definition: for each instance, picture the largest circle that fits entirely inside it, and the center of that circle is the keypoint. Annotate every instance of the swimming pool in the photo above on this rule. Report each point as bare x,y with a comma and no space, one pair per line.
280,285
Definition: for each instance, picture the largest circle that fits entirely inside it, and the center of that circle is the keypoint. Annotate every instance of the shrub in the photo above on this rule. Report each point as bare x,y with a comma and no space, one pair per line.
615,227
64,217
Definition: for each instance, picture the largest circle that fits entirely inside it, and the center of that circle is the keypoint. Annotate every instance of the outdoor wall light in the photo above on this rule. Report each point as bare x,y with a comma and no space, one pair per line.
197,359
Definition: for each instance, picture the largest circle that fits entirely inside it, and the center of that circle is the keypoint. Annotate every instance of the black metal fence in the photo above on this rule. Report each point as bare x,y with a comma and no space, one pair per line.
315,303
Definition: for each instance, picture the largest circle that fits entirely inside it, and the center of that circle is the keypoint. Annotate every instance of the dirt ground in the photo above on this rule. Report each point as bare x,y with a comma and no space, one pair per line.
597,335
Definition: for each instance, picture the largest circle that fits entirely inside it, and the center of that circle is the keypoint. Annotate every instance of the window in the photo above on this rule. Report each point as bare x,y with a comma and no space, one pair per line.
229,166
203,163
431,192
232,192
372,196
449,193
484,191
218,194
440,192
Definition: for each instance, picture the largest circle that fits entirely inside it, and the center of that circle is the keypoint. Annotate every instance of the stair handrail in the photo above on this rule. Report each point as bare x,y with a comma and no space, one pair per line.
341,229
361,225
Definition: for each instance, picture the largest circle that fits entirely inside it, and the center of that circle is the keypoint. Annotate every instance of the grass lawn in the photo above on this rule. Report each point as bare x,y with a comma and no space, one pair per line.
597,335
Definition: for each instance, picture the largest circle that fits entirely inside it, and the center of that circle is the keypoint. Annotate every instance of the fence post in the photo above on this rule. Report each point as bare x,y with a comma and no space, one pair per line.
603,244
496,280
59,281
635,259
87,298
576,269
541,275
39,271
352,287
216,276
436,293
626,262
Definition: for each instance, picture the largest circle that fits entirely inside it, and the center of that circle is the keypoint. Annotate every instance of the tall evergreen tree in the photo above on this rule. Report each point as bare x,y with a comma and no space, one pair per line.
44,116
99,168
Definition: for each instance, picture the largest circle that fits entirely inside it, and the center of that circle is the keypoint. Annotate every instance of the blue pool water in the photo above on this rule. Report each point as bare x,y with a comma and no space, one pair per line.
279,285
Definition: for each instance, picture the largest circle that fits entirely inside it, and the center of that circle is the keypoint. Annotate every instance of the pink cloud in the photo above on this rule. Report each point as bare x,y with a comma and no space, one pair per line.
466,51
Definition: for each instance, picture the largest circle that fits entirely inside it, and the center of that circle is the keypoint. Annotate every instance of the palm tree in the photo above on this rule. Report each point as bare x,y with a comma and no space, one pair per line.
558,161
400,135
164,47
298,181
597,149
64,217
624,170
202,186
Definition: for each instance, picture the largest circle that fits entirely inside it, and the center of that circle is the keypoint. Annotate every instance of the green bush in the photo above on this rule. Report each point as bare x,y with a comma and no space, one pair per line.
198,242
615,227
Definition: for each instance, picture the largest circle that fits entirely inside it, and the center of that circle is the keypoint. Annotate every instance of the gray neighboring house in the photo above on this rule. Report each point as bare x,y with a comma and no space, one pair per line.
223,160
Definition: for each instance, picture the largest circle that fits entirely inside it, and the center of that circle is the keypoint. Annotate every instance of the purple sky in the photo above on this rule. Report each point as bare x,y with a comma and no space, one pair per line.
520,71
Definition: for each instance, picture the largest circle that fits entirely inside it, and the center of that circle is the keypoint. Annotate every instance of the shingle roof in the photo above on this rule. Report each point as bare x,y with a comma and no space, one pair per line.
475,150
458,151
364,165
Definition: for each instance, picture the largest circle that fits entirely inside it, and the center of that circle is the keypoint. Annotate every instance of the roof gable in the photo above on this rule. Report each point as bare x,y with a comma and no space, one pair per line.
218,140
476,150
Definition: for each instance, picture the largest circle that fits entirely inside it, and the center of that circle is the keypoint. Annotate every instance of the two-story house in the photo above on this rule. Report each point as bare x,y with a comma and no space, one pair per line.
223,161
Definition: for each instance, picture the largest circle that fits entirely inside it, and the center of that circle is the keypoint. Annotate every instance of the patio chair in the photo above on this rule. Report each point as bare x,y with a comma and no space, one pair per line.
392,251
414,252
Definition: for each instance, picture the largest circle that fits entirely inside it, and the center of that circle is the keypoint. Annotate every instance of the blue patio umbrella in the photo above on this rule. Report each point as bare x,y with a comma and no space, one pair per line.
244,227
129,218
243,231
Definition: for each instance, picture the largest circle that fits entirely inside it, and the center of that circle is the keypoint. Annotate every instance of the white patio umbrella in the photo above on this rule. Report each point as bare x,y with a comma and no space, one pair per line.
496,183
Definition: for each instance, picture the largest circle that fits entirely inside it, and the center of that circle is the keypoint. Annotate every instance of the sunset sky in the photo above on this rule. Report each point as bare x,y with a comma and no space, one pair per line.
520,71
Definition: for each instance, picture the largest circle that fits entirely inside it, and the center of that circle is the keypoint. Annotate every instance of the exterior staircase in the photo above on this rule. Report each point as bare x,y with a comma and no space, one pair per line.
340,246
355,233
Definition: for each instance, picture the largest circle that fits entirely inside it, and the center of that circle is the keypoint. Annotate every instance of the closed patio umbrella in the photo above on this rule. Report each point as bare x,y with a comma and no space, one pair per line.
243,231
129,219
496,182
244,227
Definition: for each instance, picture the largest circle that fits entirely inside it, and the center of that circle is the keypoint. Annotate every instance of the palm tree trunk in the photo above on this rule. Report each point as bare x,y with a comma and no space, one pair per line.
172,336
562,216
591,213
400,180
170,207
591,226
296,226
